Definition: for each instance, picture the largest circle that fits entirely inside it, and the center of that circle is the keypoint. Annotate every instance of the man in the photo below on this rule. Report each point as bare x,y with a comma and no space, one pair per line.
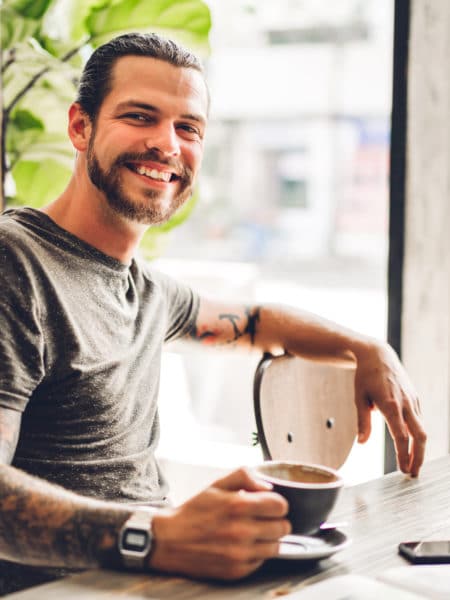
83,324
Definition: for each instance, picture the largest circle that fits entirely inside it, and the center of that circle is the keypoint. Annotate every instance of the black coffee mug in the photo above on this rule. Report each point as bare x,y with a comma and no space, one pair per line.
311,491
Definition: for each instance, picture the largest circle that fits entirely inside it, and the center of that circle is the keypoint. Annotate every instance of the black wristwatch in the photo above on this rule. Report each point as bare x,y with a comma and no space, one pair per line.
135,539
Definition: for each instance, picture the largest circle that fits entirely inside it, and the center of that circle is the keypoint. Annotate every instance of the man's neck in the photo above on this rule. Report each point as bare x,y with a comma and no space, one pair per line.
94,222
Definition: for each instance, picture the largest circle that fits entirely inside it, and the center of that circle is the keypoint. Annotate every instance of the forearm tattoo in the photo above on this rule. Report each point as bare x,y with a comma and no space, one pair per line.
241,325
42,524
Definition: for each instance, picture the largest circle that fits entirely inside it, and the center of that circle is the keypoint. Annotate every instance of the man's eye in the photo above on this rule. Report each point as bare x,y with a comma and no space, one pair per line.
137,117
189,129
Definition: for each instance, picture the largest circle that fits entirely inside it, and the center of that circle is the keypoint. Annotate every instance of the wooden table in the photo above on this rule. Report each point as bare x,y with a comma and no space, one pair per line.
380,514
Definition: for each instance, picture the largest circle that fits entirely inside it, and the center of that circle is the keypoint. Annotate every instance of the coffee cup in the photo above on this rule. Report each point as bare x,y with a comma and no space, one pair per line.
311,491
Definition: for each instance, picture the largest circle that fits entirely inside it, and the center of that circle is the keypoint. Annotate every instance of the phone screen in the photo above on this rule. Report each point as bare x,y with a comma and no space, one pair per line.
429,552
432,548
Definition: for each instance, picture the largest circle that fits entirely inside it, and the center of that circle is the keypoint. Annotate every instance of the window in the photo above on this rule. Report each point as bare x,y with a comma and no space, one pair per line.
294,189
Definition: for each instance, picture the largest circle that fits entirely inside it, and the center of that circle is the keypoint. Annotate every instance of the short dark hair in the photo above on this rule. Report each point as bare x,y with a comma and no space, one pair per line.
95,82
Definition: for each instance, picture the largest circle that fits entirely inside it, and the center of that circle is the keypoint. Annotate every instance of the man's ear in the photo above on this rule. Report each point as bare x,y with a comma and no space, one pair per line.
80,127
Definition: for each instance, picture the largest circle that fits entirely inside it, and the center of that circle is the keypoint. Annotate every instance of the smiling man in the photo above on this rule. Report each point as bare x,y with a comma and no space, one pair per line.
148,185
84,321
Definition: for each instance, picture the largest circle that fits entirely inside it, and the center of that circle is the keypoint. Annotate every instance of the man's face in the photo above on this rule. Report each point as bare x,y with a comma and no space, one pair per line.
146,144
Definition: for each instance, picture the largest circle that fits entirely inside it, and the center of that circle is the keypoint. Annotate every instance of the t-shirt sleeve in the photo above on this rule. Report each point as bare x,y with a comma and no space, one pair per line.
21,338
182,305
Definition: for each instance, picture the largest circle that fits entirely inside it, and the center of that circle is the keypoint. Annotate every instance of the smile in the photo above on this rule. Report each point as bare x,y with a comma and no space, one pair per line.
156,174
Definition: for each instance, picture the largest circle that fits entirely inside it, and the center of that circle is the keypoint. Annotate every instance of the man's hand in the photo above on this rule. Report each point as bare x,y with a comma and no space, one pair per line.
225,532
382,382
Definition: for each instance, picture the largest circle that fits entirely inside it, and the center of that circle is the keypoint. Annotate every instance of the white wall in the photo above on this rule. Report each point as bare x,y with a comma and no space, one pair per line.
425,319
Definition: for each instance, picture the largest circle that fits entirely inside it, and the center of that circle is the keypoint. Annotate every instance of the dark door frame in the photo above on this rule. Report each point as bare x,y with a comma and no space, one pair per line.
397,191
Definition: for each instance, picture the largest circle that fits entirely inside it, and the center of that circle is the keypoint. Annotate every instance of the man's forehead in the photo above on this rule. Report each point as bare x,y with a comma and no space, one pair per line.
148,75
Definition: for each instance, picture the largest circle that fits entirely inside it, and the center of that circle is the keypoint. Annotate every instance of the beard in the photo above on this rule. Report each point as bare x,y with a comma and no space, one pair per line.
157,207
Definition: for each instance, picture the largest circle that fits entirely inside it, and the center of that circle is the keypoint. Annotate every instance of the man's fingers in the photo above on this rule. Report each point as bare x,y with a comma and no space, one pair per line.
226,531
417,457
245,531
364,411
401,441
241,479
271,532
263,505
263,550
419,440
399,432
244,502
408,435
381,377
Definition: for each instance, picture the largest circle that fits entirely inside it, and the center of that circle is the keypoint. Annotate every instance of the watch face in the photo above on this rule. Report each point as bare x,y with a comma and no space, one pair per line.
135,540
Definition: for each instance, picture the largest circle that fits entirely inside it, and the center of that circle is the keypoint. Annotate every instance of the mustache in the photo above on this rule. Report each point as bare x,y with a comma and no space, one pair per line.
154,156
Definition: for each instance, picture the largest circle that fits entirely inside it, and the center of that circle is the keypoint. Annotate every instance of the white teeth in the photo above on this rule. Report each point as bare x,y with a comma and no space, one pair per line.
154,173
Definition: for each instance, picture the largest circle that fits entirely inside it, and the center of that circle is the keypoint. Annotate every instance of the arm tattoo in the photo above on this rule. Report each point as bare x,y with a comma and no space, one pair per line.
232,319
43,524
248,328
252,320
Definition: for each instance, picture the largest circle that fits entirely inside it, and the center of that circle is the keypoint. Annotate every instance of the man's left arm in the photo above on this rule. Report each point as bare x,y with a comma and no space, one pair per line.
380,380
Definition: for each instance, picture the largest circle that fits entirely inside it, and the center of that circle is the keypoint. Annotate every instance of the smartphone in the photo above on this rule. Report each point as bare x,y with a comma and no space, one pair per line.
427,552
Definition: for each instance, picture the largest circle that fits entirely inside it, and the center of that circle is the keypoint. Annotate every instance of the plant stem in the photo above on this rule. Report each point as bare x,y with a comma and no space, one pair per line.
7,111
10,60
3,165
38,76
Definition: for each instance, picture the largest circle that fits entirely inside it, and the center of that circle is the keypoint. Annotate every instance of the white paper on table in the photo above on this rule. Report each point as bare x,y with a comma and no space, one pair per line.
353,587
433,581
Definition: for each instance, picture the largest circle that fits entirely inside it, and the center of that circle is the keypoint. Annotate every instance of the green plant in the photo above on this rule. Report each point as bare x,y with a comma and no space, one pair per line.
44,44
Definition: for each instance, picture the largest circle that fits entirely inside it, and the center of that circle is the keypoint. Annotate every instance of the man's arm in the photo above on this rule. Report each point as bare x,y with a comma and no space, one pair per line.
226,531
380,380
43,524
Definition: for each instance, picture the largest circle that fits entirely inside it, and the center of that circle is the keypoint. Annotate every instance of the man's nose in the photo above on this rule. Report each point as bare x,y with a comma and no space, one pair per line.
164,138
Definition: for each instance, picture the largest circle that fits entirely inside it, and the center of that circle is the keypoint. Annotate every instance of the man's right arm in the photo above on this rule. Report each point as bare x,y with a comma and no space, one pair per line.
225,532
44,524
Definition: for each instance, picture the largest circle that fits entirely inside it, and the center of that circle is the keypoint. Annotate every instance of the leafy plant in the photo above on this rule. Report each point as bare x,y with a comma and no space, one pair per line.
44,45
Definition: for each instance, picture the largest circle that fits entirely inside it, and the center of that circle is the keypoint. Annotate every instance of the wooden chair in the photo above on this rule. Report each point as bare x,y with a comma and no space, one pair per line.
304,409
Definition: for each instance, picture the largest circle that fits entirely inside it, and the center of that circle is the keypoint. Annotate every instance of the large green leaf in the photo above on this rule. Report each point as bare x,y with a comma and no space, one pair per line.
24,119
37,127
49,101
32,9
38,183
191,18
15,28
60,47
45,146
76,13
24,128
29,60
21,20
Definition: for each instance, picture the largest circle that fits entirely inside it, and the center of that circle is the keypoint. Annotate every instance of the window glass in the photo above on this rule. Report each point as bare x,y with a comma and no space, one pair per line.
293,201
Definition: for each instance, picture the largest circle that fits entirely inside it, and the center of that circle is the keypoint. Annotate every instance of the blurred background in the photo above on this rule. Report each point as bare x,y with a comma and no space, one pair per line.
292,205
292,201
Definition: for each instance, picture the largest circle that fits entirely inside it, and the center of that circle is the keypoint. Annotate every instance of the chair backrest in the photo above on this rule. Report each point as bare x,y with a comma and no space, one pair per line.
304,409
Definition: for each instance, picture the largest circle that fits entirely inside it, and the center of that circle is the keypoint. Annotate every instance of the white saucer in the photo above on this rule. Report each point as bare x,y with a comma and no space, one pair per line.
312,547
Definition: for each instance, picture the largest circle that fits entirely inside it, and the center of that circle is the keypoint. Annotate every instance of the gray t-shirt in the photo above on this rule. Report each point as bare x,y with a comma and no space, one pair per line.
80,347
